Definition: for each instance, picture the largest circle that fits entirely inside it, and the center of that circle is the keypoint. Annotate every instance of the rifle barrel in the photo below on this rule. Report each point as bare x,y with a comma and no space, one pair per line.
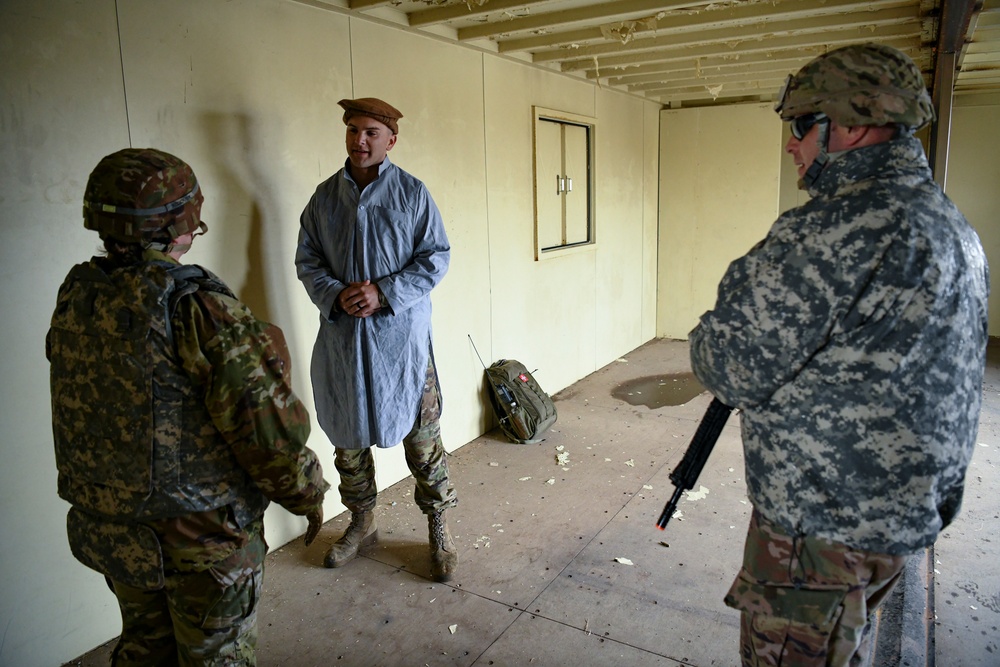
687,471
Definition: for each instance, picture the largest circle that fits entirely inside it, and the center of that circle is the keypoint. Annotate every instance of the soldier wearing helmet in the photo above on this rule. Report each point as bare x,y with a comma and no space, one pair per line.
853,96
853,340
174,423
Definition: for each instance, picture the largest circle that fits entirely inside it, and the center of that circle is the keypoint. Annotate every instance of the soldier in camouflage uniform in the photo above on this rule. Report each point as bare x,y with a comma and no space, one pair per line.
174,423
372,246
853,339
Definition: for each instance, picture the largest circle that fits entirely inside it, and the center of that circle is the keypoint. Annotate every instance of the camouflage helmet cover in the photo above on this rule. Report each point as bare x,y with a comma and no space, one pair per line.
861,84
138,195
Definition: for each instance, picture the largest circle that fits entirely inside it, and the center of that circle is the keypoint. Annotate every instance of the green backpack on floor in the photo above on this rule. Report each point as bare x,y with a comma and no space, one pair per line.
524,409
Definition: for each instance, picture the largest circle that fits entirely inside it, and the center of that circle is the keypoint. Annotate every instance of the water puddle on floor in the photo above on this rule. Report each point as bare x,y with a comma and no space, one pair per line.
655,391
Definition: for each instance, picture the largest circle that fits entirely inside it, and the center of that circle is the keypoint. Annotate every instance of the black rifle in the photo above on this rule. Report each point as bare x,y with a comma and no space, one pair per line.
686,473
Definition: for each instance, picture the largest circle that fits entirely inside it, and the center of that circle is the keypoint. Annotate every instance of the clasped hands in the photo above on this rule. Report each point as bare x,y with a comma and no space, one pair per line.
359,299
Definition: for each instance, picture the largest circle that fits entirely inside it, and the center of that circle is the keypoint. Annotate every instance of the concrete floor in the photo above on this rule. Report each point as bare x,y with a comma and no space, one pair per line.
966,557
561,564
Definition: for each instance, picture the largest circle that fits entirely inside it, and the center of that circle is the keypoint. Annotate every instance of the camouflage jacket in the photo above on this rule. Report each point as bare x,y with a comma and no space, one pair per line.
173,418
853,338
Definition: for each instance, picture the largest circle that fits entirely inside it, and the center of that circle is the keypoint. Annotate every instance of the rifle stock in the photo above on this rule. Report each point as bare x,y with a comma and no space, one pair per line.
687,471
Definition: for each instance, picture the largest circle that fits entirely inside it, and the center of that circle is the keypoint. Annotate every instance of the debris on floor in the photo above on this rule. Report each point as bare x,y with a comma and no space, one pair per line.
562,458
700,494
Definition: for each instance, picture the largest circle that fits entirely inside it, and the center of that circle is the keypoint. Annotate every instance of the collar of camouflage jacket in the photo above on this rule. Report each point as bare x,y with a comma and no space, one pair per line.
901,157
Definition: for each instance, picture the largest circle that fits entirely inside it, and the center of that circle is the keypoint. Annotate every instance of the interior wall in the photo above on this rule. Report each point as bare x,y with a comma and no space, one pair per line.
719,195
246,91
973,162
651,219
624,195
63,106
973,165
594,304
260,129
556,296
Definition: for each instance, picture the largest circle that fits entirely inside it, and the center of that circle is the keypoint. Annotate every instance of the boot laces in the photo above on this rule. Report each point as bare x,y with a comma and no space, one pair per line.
437,527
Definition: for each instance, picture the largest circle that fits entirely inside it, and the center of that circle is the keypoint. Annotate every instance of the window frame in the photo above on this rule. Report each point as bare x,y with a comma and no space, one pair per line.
540,115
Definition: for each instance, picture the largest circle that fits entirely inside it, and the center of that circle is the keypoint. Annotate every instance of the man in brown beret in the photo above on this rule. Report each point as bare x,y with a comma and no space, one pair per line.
372,246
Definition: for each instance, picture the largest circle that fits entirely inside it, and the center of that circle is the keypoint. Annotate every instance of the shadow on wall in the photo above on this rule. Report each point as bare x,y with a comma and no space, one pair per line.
242,204
254,290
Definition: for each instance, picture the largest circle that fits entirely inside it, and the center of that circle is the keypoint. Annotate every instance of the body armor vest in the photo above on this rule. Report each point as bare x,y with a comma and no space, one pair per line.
133,439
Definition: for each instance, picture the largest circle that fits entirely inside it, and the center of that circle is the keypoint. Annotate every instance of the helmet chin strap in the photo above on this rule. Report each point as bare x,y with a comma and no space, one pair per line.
172,246
177,249
159,247
822,157
168,248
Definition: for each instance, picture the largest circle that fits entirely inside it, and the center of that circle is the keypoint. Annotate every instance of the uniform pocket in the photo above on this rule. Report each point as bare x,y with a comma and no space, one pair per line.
127,553
810,604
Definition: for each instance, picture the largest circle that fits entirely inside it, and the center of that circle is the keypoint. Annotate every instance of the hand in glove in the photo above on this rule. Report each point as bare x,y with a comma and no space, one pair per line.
315,519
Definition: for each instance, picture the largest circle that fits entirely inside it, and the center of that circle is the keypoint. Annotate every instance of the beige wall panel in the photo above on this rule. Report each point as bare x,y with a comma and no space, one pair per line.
63,109
557,295
620,197
650,215
719,176
973,165
439,89
248,98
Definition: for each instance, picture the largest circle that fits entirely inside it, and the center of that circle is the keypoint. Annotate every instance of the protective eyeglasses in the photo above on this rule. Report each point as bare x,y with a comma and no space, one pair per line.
802,124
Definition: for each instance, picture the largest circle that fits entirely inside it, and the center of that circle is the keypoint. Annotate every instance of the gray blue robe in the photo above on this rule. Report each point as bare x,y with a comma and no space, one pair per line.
368,374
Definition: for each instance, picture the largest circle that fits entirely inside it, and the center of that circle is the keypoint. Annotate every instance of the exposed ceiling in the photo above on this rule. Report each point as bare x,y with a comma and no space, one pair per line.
697,52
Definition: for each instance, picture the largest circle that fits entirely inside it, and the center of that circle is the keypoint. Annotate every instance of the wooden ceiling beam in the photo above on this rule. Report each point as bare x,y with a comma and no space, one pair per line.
818,41
618,10
748,14
906,16
464,10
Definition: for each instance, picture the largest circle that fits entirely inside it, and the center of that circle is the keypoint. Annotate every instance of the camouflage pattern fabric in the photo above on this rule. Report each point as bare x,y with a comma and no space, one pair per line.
853,338
425,457
358,490
175,422
224,432
112,349
807,601
201,617
860,84
245,367
136,194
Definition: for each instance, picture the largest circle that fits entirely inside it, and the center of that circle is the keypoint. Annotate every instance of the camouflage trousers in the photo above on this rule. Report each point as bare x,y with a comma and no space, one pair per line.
206,617
807,600
425,457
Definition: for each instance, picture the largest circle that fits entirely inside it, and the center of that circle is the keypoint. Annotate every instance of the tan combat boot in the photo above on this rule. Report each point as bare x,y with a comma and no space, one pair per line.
444,553
361,533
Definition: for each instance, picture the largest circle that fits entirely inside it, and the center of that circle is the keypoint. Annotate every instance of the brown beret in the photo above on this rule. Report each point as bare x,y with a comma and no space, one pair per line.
372,107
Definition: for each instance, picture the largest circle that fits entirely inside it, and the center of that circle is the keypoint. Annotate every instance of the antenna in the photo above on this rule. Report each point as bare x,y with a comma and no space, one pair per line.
474,348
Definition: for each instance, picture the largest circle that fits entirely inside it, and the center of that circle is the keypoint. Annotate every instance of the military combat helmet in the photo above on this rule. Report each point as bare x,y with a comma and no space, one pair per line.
861,84
142,195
